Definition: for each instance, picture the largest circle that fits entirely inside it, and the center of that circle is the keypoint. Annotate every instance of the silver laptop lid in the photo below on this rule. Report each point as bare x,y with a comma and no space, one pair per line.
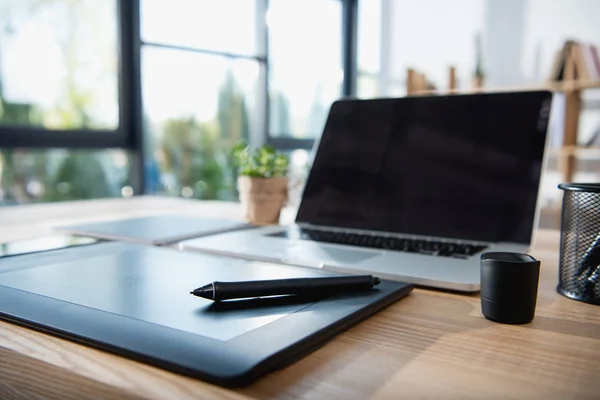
457,166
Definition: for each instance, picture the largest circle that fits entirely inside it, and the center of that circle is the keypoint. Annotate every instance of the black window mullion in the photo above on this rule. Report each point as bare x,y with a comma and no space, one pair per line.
39,137
131,117
202,51
267,83
349,46
288,143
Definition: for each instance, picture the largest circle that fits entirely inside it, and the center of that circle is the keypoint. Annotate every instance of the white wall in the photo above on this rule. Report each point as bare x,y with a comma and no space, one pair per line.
431,35
549,23
503,38
520,37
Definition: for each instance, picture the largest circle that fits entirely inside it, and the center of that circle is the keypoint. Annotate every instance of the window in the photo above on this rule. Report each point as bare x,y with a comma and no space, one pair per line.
194,119
60,87
205,88
58,64
305,65
369,48
155,94
30,176
201,71
226,26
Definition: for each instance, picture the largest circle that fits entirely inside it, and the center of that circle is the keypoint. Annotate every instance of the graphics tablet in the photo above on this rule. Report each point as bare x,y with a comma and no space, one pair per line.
134,301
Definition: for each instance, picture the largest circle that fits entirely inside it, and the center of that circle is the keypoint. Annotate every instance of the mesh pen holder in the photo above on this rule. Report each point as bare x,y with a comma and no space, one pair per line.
579,268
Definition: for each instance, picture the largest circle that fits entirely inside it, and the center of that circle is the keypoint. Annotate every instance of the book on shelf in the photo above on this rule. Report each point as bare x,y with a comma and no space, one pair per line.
576,61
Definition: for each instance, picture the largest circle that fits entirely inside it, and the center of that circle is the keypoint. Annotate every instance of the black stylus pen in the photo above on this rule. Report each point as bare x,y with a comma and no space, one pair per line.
317,286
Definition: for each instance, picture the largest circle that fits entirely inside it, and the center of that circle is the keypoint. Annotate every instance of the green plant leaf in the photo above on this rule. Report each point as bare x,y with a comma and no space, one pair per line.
264,162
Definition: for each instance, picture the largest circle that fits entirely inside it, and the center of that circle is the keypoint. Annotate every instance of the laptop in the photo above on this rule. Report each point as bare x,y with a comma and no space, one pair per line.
413,189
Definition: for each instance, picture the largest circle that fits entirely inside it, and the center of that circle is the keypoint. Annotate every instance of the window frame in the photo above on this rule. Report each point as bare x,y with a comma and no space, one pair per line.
12,136
129,135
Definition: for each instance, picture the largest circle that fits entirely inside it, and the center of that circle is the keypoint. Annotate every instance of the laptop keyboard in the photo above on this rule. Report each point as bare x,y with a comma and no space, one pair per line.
421,246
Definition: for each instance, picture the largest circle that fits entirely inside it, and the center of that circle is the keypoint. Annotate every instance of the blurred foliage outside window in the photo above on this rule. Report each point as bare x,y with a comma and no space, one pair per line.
30,176
193,120
198,104
58,70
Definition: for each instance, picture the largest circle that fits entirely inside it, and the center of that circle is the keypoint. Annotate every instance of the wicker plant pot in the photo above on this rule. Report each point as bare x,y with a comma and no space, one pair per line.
262,198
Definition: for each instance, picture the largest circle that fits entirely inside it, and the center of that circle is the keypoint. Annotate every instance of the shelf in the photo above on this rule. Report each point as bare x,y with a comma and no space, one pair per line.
577,151
568,86
563,86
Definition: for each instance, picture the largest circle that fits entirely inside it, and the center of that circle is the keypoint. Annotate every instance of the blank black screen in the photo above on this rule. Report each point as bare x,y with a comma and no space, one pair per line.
459,166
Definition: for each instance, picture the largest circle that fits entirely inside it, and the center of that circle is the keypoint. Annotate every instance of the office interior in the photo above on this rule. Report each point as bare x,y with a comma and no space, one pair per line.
122,98
143,101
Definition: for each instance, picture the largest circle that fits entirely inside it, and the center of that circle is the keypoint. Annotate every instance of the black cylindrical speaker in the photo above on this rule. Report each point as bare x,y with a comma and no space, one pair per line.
509,283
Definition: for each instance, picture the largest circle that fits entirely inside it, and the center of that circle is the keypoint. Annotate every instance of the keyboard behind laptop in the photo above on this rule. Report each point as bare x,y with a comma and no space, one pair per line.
411,245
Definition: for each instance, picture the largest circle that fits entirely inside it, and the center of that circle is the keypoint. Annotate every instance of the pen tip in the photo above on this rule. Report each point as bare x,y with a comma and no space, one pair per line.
376,280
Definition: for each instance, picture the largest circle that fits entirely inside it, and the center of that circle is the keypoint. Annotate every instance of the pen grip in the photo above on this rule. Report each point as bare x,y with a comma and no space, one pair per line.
296,286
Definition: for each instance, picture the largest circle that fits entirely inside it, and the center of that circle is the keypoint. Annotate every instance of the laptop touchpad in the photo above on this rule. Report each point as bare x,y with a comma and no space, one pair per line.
327,254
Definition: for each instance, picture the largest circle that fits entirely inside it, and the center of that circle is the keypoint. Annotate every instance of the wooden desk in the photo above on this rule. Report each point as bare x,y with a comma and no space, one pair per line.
432,344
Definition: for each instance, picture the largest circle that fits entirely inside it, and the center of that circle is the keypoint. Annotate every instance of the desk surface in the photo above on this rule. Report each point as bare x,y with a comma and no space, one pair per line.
432,344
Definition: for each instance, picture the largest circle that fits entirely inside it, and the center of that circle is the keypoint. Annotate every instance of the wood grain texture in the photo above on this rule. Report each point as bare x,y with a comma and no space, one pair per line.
571,129
432,344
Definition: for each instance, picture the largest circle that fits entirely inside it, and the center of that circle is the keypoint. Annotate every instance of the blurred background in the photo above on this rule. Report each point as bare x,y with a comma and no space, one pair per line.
108,98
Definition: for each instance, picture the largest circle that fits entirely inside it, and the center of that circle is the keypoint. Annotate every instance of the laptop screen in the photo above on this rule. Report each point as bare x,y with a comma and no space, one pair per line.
457,166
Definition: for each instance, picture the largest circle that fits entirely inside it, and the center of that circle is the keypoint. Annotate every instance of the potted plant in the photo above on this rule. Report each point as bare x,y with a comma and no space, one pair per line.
262,183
